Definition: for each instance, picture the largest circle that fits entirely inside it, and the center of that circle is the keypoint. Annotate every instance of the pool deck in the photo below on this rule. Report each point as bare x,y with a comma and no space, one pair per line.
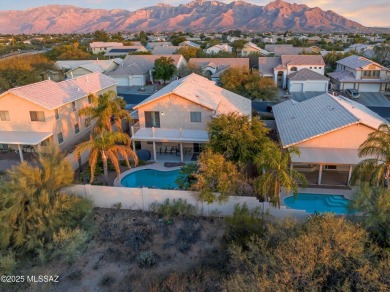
155,166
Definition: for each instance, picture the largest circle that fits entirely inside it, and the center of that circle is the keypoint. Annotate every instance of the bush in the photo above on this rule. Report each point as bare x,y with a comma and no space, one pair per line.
107,280
7,263
177,208
147,259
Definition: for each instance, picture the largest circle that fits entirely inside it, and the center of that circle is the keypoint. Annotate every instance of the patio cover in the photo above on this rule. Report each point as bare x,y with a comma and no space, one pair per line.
23,138
331,156
171,135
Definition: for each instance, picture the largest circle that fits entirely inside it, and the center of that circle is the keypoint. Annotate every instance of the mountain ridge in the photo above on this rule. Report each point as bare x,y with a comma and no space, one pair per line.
198,15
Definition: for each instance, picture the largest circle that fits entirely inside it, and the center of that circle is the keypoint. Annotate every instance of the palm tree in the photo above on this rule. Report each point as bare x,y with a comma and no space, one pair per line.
107,109
375,169
32,208
109,146
273,164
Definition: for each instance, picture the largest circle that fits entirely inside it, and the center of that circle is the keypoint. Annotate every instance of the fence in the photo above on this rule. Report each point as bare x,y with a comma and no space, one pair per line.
142,198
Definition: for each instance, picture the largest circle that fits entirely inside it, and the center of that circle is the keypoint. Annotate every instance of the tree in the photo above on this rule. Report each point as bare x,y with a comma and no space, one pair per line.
33,207
186,177
188,52
273,165
107,109
332,57
382,53
237,137
108,146
143,38
376,168
176,40
248,84
238,45
101,36
374,205
216,179
164,68
324,252
68,52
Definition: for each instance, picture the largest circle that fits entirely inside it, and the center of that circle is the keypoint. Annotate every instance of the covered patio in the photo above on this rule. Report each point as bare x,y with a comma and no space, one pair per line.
171,144
325,166
22,142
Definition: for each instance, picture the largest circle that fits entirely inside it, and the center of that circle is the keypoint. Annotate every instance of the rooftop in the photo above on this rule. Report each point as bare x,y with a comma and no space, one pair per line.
306,74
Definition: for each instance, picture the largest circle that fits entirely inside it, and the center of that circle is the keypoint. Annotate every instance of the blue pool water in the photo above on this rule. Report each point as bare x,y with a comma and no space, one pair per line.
151,178
315,203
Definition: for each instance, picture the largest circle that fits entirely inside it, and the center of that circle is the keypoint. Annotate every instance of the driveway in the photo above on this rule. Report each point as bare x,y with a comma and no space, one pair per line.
373,99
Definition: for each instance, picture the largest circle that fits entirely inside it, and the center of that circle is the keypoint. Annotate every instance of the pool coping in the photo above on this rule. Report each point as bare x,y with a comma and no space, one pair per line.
154,166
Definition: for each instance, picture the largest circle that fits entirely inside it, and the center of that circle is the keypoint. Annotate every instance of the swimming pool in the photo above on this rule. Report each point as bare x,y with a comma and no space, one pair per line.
151,178
317,203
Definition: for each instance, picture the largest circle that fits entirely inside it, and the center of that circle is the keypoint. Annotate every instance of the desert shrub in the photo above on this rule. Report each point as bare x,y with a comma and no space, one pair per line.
138,239
243,224
75,275
188,235
170,210
7,263
147,259
107,280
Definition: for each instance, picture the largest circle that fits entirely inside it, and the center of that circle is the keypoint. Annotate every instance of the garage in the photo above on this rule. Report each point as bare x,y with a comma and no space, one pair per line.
296,87
369,87
307,80
122,81
316,86
137,80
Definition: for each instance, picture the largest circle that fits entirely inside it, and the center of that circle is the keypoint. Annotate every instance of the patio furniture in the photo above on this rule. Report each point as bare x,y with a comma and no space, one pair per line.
4,148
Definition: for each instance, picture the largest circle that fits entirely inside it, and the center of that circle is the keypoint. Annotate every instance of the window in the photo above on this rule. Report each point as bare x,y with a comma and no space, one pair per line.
87,122
371,73
4,116
89,99
294,69
37,116
76,128
57,114
74,106
60,138
196,117
311,67
315,67
152,119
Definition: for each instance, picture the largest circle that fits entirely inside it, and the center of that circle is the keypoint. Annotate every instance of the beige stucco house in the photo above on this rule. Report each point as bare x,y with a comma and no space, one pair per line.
328,131
77,68
176,117
35,115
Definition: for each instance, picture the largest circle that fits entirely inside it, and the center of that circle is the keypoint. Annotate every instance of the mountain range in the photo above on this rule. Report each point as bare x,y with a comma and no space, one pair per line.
198,15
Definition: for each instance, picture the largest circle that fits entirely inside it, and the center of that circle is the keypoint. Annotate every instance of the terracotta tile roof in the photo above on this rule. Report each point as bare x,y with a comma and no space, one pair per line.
51,95
302,60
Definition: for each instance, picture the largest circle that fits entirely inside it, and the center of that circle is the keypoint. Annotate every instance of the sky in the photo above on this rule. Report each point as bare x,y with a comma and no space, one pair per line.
366,12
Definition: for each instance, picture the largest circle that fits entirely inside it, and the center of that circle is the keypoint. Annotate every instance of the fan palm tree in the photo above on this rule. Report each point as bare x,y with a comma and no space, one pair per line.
32,208
107,109
273,164
109,146
376,168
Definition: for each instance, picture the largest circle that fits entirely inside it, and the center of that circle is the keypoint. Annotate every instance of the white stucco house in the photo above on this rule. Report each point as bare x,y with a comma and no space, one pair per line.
77,68
360,73
219,48
250,48
279,68
307,80
176,117
328,131
103,47
137,69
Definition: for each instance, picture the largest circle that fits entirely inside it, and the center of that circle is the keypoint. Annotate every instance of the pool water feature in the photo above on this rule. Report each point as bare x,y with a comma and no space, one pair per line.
151,178
318,203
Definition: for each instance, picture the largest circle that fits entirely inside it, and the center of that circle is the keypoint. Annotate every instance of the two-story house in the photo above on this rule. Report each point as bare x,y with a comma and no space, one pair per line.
362,74
176,117
46,112
285,67
103,47
250,48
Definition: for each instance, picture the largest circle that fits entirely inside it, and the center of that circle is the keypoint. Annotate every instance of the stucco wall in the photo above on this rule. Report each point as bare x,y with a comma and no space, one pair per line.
351,138
176,113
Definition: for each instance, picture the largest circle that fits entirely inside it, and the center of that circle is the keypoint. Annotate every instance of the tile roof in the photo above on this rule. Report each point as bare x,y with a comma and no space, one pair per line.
302,60
73,64
267,65
204,92
279,51
105,44
306,74
189,43
347,76
272,47
140,64
356,62
152,45
51,95
301,121
164,50
234,62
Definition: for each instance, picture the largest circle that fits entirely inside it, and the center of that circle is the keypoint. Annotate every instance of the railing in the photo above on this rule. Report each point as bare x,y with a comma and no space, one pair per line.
135,128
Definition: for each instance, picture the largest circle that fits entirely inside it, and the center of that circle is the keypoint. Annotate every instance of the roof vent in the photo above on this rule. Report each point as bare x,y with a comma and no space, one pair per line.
78,88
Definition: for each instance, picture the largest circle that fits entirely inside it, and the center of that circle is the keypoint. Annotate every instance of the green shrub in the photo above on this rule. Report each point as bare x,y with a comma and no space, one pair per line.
7,263
170,210
147,259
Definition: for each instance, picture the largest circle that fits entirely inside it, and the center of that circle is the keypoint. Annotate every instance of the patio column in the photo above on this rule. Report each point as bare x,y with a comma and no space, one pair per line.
349,174
320,175
181,153
154,152
20,153
133,145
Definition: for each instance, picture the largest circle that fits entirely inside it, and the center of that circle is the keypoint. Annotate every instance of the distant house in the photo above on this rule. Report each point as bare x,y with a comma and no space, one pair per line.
35,115
125,50
280,68
328,130
362,74
280,50
189,44
151,45
250,48
219,48
77,68
103,47
213,68
176,117
137,69
165,50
